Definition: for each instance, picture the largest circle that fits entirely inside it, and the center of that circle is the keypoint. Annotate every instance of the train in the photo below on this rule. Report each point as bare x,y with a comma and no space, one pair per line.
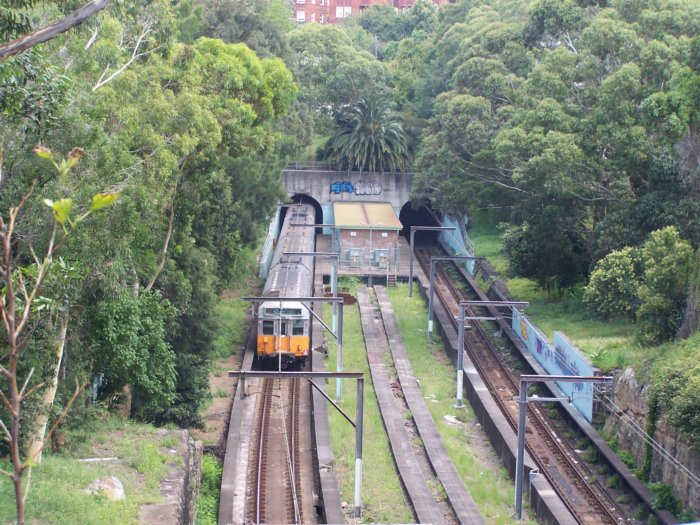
284,327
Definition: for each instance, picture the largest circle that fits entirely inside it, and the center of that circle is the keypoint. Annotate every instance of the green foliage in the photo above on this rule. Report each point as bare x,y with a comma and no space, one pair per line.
369,138
674,391
664,285
128,334
208,497
649,283
663,498
614,283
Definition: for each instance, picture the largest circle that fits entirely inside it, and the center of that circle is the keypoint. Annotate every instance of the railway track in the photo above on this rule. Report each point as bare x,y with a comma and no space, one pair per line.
274,493
556,460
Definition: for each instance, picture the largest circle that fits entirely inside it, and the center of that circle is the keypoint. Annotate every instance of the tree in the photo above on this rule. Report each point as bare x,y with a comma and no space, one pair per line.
664,287
20,298
369,138
614,284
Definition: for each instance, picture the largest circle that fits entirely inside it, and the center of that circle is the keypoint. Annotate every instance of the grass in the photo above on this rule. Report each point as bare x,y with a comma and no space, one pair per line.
57,493
231,315
609,345
208,497
383,498
486,480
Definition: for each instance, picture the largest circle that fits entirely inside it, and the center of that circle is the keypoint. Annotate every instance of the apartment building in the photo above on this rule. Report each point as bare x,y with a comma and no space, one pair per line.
334,11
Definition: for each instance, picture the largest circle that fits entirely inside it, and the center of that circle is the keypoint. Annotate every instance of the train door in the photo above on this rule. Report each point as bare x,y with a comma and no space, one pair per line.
285,335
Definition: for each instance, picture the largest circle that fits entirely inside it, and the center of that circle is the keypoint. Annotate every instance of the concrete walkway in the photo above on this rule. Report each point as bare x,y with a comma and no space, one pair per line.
457,493
407,462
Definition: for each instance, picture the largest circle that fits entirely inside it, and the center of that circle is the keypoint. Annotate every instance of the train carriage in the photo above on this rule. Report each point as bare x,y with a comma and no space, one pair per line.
284,327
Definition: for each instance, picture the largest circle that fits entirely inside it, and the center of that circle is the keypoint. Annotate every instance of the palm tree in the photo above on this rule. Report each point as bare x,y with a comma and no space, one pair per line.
369,137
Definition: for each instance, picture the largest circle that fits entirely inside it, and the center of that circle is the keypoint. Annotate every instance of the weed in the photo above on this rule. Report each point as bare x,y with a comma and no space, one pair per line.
627,458
169,441
613,481
624,499
602,469
208,497
220,392
639,511
591,454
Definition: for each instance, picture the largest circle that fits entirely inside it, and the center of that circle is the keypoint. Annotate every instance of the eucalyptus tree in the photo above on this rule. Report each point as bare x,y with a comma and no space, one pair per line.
369,137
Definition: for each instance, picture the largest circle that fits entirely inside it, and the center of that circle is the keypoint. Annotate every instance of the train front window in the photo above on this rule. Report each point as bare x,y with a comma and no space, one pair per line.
276,312
298,327
268,327
283,328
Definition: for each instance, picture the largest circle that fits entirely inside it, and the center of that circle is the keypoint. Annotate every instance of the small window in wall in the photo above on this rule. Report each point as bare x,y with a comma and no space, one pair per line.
322,18
353,234
313,16
385,234
268,328
301,16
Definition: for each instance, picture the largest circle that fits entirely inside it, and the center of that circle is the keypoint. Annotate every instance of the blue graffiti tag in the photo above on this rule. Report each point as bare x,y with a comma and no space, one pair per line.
342,187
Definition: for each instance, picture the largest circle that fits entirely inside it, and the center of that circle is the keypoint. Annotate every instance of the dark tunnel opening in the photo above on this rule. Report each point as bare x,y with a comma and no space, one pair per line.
423,216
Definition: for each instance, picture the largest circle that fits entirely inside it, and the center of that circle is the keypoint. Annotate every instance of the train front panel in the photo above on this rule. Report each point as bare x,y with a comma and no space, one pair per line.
283,328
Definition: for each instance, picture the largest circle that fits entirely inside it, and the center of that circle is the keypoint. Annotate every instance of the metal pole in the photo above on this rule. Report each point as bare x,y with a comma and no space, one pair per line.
410,265
370,255
430,301
358,447
334,289
460,356
519,466
339,357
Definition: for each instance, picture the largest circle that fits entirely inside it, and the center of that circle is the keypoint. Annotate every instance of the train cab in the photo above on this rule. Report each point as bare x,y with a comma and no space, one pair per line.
283,332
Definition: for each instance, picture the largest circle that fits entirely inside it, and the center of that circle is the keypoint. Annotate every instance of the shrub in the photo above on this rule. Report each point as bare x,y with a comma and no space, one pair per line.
612,289
664,498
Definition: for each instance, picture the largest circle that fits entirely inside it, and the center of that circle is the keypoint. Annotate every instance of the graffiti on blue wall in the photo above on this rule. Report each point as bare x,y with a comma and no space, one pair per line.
560,358
358,188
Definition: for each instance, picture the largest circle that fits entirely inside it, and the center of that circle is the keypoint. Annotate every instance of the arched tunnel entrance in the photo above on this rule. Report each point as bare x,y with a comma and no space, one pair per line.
423,216
300,198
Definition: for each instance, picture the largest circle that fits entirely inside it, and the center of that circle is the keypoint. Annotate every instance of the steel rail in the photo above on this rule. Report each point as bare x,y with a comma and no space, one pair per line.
555,447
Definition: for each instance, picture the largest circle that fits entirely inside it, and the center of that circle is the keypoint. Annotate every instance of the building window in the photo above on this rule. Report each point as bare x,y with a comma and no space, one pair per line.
301,1
343,12
301,16
353,234
385,234
313,16
321,18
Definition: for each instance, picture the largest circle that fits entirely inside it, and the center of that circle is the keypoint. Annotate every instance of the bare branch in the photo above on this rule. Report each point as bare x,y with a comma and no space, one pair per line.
5,473
33,389
78,389
5,429
43,268
52,30
166,242
26,382
6,402
92,40
134,56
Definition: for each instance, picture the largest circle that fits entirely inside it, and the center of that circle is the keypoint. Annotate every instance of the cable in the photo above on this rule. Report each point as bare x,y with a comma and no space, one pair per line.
636,429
